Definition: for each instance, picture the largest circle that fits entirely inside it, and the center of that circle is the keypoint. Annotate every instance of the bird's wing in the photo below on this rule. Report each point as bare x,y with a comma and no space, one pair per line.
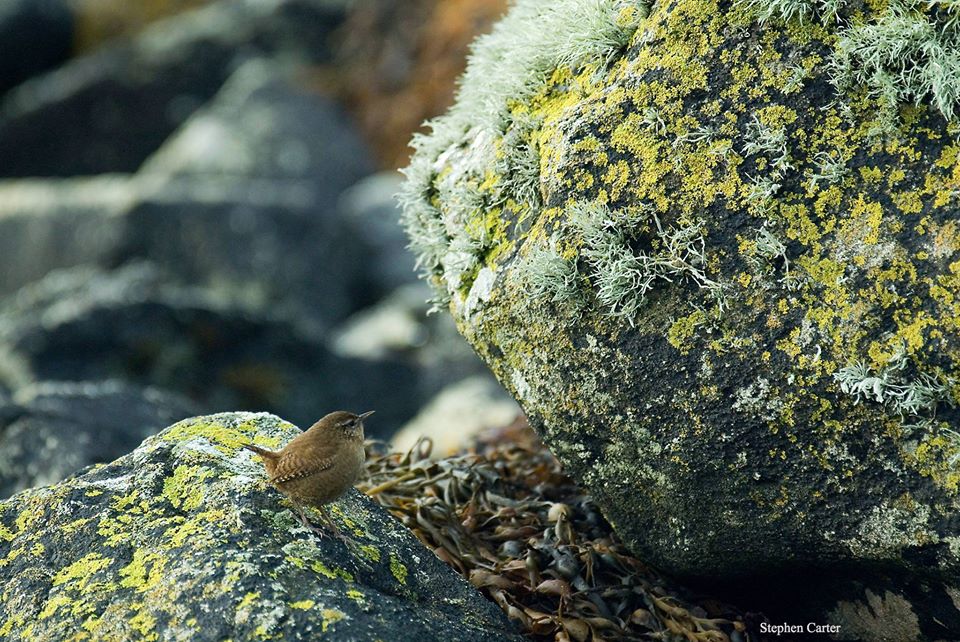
295,466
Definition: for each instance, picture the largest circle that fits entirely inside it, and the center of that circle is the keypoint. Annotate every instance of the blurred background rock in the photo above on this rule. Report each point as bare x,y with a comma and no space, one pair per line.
197,215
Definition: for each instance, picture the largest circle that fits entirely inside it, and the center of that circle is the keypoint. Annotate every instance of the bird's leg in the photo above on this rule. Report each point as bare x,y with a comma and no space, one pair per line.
358,553
307,523
332,526
328,523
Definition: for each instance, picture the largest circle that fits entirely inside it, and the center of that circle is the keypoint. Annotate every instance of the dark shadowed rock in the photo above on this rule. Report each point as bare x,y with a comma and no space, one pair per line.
261,125
134,324
108,111
53,429
184,539
35,35
243,199
263,241
266,242
8,409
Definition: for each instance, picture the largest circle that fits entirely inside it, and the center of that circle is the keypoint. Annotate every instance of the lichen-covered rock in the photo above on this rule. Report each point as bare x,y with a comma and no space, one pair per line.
184,539
712,249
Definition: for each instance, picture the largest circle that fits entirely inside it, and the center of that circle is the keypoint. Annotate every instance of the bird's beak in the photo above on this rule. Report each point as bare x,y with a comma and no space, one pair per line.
366,414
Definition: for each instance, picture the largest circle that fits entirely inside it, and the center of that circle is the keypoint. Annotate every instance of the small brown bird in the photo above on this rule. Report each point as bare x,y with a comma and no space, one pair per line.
318,465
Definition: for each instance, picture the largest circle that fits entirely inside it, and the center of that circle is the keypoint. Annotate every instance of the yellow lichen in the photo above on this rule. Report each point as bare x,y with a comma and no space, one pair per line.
398,569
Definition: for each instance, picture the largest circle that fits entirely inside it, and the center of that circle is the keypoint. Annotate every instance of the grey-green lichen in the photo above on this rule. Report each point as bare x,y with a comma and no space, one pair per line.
498,164
184,539
604,262
492,167
908,50
915,398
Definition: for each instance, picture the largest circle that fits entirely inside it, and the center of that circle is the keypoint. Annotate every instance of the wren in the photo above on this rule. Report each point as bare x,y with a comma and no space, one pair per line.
318,465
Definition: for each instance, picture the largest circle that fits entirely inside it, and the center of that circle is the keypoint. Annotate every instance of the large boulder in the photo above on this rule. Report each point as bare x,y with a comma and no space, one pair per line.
52,429
184,539
713,252
138,325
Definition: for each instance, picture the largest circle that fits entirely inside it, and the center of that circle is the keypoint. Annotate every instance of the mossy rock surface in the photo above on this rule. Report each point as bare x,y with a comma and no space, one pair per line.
721,276
184,540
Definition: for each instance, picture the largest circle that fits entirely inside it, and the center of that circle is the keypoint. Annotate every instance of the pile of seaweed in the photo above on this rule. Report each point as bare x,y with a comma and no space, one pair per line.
505,516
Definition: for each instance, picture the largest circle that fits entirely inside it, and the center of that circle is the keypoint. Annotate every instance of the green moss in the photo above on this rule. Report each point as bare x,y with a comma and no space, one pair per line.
319,567
331,616
372,552
145,572
682,330
500,172
143,623
80,573
349,521
250,599
176,525
53,605
937,456
306,555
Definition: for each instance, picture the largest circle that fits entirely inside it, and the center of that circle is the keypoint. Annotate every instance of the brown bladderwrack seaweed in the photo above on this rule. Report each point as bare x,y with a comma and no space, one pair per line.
507,518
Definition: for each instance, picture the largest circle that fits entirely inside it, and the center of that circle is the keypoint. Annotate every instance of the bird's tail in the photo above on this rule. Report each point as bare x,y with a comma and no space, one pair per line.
263,452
